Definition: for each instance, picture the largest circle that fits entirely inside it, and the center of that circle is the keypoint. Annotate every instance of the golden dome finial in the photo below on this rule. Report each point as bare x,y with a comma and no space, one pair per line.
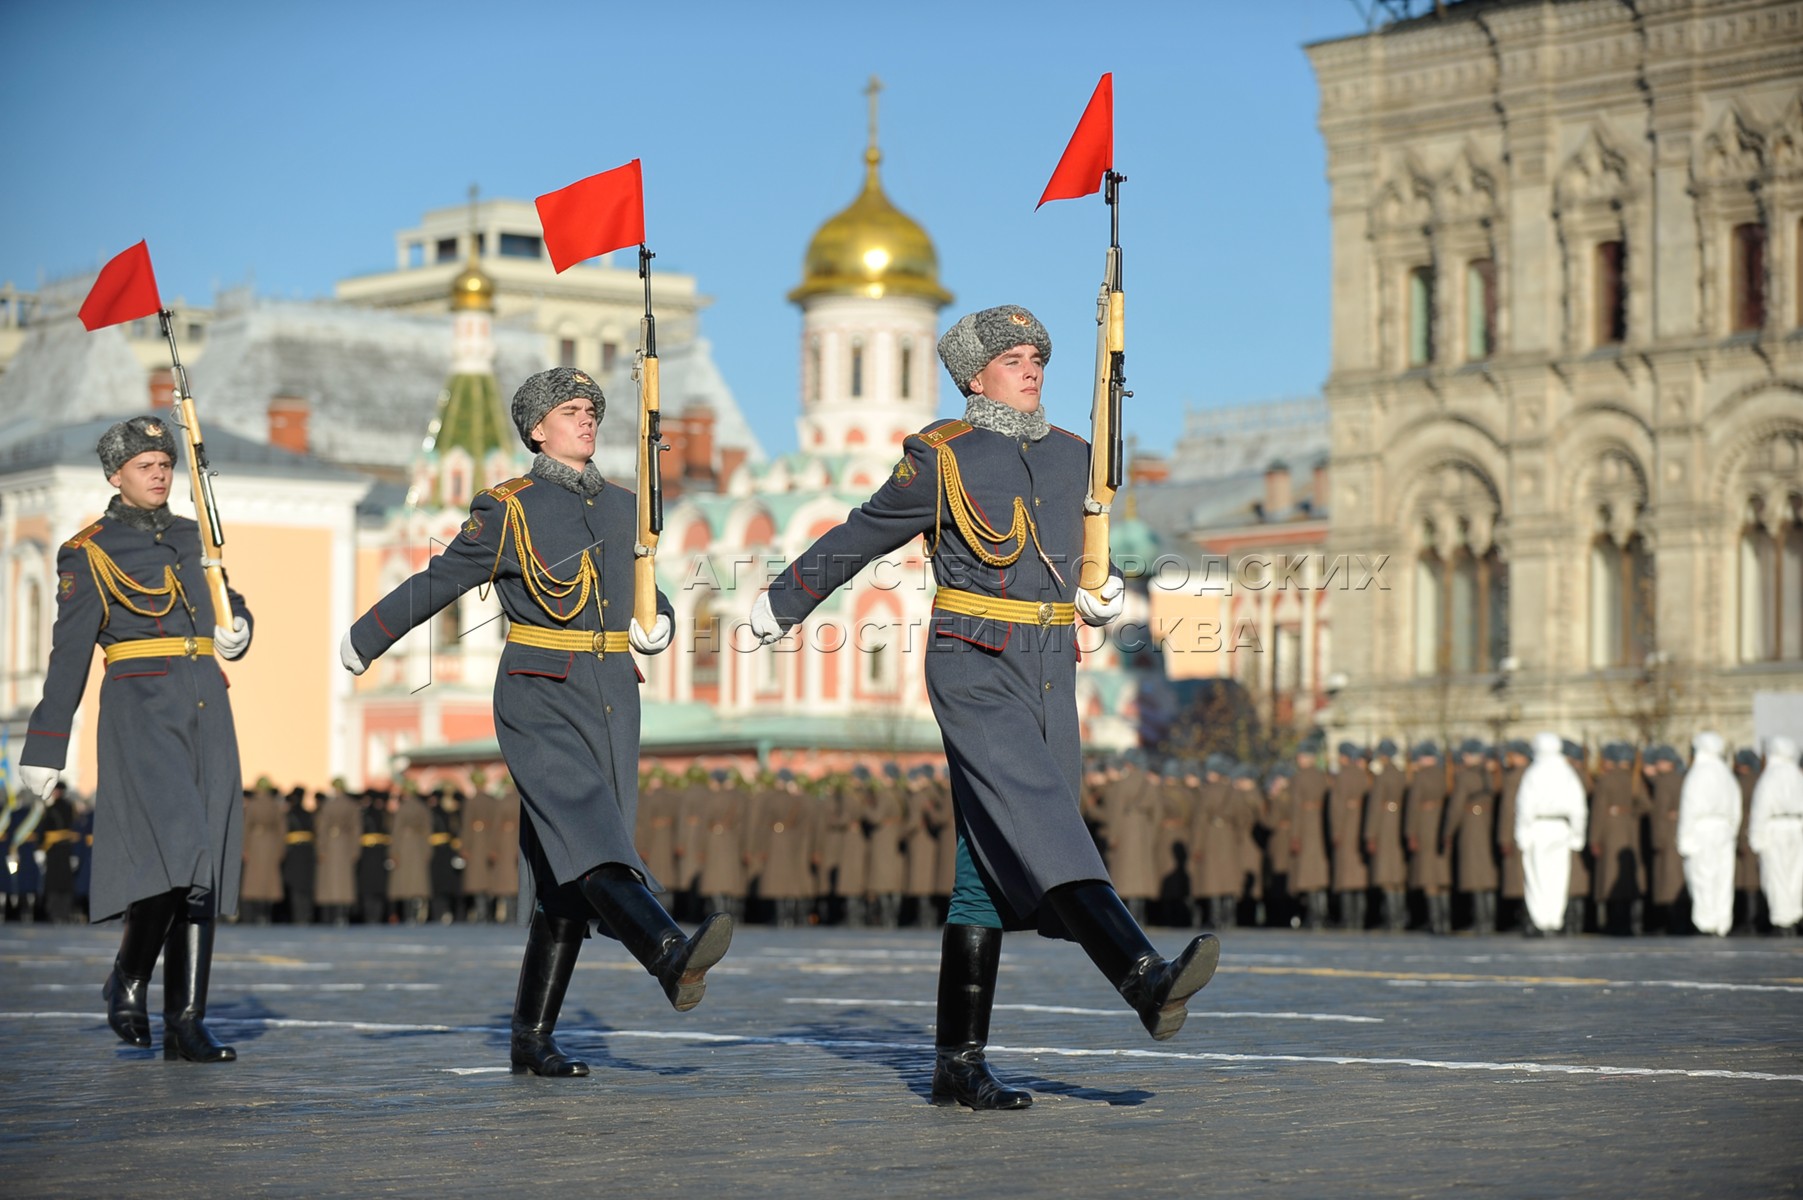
871,248
472,289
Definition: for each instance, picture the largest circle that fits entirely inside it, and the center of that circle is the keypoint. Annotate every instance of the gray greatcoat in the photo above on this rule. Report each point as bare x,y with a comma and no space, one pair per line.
168,800
1004,694
567,721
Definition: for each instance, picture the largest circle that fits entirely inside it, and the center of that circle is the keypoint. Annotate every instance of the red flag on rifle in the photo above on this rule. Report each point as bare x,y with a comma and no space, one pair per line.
594,215
1091,150
125,291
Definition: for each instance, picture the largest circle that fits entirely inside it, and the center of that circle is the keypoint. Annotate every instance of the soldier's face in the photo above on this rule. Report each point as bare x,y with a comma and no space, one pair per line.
1012,378
568,432
143,481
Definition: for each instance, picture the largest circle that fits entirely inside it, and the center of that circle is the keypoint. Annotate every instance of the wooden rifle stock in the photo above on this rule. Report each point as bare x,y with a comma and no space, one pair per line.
650,482
200,484
1105,454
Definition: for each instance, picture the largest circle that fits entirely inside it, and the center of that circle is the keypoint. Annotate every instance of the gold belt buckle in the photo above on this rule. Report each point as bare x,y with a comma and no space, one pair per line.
1045,614
191,647
600,643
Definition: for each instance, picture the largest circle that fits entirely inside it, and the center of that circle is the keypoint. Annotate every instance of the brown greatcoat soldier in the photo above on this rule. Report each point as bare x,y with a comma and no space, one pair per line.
723,851
888,859
1216,860
410,850
338,833
1130,801
925,820
265,842
1430,869
1309,874
786,827
1471,833
1345,835
1617,807
1384,838
476,844
1667,784
1516,755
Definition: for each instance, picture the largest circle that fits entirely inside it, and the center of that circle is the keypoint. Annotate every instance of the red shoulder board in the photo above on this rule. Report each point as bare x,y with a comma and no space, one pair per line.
938,437
81,539
503,490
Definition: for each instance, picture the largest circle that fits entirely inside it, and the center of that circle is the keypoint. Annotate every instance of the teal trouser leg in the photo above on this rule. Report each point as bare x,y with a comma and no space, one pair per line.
971,903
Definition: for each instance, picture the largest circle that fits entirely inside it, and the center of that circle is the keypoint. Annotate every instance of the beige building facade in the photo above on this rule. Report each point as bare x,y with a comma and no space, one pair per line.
1566,392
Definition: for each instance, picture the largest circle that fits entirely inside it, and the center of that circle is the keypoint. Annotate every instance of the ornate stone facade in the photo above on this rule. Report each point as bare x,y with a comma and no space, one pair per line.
1567,380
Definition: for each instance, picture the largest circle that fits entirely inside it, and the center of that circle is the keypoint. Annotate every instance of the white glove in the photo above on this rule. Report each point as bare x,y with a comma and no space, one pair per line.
230,643
764,625
657,639
38,781
1106,605
347,654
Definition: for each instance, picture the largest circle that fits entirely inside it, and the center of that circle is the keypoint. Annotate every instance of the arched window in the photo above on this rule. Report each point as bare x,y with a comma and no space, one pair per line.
1461,581
1771,586
1621,602
1429,612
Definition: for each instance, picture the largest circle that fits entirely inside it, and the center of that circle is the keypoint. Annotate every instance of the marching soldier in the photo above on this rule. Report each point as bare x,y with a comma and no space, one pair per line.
1430,870
337,841
556,547
1345,825
1000,672
1384,838
168,841
1309,875
1617,807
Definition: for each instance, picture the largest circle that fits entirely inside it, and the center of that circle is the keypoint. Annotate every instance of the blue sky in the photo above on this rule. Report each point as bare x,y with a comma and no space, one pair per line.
284,145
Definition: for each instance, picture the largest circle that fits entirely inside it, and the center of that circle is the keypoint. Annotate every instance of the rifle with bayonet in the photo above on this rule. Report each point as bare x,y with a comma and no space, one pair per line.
1105,440
650,476
200,481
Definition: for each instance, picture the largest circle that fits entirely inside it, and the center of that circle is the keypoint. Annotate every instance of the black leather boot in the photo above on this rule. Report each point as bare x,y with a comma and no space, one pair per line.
967,967
187,963
125,990
1357,923
552,944
1156,988
634,916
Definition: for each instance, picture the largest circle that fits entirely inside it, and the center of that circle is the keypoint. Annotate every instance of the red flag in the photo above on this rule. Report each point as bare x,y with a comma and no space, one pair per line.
1091,149
125,291
594,215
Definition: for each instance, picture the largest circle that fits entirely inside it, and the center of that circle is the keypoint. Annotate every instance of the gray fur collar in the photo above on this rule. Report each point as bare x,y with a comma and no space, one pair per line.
586,482
150,520
993,415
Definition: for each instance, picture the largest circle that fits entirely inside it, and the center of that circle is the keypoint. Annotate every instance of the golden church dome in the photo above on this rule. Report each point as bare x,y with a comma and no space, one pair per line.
871,249
472,289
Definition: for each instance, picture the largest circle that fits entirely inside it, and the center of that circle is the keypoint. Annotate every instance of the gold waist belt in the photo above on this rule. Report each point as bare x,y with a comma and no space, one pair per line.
375,839
596,642
1015,612
298,837
439,839
166,647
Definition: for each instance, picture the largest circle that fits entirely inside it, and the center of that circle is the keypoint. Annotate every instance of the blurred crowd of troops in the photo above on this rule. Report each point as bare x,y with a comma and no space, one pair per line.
1369,838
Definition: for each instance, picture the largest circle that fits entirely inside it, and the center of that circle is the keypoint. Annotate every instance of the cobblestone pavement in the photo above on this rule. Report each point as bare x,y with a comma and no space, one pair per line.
374,1061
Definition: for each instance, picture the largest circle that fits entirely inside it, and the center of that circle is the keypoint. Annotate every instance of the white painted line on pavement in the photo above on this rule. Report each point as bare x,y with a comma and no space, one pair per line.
575,1033
1702,985
1066,1010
